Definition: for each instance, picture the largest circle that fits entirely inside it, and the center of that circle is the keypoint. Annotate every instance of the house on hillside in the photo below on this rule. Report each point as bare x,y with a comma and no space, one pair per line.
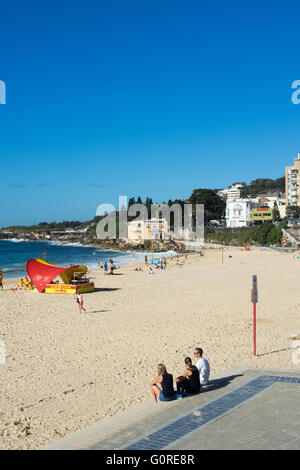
238,212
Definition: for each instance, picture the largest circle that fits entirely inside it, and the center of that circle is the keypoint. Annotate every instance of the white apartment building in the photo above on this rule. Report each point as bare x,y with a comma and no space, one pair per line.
292,180
232,192
281,203
238,212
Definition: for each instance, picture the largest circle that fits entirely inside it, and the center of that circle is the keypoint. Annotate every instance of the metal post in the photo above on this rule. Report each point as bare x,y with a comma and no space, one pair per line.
254,329
254,300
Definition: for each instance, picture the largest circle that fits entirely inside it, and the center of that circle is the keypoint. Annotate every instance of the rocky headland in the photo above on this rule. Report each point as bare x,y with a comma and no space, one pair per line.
86,239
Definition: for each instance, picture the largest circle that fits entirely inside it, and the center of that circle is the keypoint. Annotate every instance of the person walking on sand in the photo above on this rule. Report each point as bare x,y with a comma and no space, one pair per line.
79,300
202,366
166,393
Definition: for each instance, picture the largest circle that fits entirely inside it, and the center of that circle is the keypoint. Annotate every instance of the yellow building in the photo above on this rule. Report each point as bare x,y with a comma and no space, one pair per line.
292,180
262,214
151,229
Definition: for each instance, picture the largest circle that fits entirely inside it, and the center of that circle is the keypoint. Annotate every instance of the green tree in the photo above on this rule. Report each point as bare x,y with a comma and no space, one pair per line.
274,236
276,213
148,204
131,202
293,212
263,185
214,206
261,232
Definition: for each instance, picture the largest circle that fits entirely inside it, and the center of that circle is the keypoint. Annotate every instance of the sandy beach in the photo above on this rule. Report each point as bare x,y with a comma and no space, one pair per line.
66,370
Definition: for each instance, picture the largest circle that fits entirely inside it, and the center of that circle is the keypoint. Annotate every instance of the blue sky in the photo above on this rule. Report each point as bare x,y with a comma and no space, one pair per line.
141,98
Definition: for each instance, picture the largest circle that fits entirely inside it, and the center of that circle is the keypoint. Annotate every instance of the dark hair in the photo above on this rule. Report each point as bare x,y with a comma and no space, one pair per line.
200,351
188,362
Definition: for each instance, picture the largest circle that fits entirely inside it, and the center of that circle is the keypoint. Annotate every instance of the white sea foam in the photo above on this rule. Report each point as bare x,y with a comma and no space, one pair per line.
59,243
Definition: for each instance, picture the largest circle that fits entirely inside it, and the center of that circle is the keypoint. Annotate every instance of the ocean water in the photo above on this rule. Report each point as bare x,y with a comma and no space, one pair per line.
14,255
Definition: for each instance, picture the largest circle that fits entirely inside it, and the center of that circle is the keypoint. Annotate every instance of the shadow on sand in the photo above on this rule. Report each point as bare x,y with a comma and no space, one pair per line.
106,289
273,352
99,311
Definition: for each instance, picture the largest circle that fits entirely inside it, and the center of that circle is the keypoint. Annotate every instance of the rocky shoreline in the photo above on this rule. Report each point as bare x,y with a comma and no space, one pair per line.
85,239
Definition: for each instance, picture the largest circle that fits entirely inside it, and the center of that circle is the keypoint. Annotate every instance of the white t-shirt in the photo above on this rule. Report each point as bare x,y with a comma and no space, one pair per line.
204,370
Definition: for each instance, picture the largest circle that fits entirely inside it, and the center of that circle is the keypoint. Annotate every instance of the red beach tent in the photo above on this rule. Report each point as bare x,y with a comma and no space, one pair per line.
42,273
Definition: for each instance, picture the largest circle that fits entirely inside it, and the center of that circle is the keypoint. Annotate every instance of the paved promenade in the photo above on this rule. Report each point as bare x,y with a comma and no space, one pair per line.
241,409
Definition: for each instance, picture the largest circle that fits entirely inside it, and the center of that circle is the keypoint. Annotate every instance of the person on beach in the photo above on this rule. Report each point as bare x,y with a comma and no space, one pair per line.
166,393
202,366
189,381
20,284
105,266
146,260
111,267
79,300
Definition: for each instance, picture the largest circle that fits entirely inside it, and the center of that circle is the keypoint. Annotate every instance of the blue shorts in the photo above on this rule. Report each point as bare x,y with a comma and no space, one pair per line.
163,398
